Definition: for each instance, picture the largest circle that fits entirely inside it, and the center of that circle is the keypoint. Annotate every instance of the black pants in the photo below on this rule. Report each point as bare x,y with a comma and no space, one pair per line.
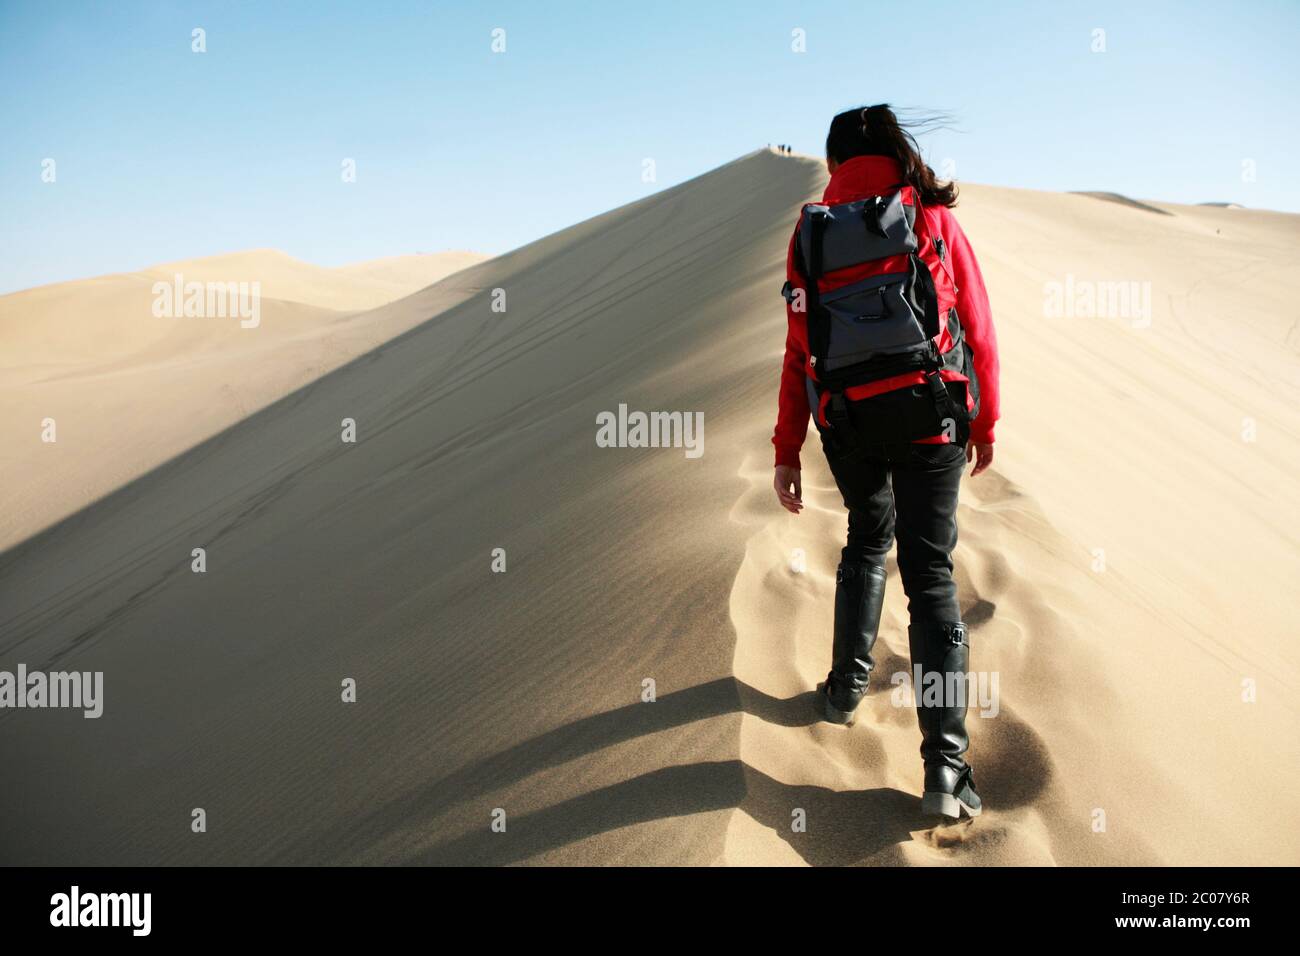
908,491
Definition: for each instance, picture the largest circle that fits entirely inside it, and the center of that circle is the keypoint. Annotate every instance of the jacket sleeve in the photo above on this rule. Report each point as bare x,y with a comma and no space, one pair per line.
977,325
792,403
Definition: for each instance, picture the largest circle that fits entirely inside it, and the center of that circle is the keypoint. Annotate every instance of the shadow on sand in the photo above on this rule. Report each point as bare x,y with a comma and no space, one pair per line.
843,826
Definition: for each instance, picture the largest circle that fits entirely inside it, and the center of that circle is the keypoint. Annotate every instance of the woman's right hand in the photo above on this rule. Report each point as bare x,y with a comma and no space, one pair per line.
787,478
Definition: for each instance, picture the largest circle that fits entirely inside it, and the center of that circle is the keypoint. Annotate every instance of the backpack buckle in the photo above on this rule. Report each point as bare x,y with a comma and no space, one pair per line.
871,213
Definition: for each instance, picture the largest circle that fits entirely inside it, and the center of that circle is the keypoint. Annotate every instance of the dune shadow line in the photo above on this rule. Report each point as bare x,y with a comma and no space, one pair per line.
842,826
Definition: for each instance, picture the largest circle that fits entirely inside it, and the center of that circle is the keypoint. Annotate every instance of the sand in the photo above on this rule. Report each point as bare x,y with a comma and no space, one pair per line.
1122,735
127,389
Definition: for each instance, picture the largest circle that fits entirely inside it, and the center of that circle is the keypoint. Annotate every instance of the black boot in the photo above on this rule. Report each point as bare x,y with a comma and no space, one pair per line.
859,597
942,648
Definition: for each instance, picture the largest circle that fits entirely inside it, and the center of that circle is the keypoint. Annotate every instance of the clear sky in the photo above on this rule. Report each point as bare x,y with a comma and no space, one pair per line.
163,153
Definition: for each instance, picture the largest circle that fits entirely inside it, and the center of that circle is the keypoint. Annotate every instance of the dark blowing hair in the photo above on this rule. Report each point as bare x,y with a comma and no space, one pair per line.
876,131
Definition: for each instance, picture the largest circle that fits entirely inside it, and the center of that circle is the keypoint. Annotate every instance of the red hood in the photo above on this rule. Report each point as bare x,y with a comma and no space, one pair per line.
862,176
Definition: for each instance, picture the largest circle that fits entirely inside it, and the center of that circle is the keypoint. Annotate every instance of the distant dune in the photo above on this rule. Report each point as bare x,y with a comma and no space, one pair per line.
1125,567
409,273
127,389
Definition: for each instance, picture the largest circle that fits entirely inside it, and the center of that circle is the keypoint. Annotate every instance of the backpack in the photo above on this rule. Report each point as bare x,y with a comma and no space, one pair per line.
889,362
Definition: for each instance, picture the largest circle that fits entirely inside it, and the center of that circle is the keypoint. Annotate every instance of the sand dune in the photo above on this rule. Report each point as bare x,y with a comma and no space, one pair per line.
127,388
409,273
1121,682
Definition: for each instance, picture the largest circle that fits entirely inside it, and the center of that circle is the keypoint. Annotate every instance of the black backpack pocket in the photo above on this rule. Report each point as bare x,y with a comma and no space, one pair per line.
905,414
961,359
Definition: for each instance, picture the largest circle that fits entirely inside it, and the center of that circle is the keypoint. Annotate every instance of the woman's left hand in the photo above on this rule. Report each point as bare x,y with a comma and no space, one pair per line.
982,453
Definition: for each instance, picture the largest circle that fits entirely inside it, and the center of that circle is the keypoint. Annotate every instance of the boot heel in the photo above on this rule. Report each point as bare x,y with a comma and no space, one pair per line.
833,714
829,712
934,804
940,805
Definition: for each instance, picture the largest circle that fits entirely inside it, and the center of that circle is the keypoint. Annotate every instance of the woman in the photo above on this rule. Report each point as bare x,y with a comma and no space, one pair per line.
891,351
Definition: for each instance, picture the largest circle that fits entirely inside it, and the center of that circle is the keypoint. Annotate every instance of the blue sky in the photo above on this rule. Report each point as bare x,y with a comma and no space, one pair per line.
162,153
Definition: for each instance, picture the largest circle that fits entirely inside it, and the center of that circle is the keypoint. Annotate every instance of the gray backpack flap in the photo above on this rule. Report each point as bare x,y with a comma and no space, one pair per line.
870,319
856,232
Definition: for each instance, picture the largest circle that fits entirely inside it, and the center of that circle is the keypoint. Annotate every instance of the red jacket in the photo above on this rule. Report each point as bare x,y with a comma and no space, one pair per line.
856,179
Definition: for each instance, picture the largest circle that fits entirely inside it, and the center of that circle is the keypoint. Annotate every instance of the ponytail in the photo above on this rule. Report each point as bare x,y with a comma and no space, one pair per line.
876,131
